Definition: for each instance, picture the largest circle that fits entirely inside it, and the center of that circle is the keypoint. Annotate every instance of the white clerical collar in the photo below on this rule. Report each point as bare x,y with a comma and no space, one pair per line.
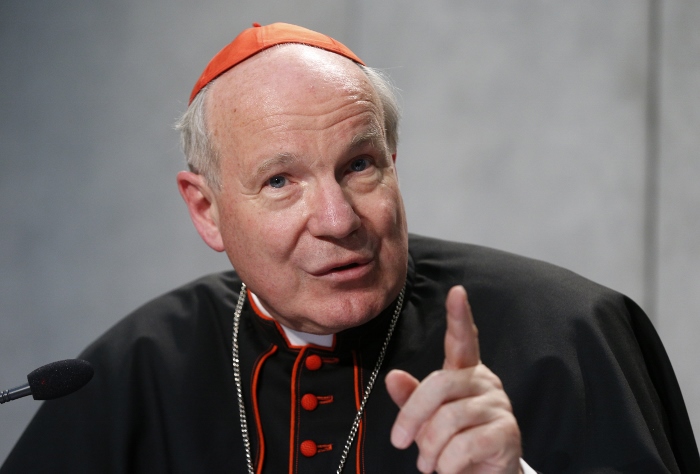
296,338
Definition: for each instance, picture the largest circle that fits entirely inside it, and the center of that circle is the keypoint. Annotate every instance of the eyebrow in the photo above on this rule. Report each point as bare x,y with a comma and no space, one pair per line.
277,160
372,136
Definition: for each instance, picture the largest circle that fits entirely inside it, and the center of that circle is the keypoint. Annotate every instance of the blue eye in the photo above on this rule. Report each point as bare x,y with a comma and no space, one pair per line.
359,165
277,181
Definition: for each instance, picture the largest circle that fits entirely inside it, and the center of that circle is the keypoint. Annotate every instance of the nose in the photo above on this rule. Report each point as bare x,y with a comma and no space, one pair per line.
331,212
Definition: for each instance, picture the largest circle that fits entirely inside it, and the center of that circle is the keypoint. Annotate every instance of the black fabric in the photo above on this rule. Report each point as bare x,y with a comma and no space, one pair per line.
591,385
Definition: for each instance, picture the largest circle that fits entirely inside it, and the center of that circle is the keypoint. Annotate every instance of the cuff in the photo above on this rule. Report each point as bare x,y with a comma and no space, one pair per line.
526,469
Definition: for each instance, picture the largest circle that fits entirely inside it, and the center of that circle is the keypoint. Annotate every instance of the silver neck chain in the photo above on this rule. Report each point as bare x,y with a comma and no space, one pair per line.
360,411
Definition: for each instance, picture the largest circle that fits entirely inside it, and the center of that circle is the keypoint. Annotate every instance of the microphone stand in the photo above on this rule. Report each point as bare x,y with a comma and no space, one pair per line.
15,393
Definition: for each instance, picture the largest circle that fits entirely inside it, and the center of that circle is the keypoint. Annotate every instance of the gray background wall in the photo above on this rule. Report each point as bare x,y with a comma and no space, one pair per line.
565,131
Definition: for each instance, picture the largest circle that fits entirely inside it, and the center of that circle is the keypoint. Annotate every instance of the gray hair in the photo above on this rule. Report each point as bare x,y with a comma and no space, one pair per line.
203,158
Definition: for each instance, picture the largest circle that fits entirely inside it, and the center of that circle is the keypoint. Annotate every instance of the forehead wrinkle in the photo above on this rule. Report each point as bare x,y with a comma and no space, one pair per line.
317,120
256,101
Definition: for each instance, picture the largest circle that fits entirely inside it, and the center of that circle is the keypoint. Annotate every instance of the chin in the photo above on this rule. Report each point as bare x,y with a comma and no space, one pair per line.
345,312
342,322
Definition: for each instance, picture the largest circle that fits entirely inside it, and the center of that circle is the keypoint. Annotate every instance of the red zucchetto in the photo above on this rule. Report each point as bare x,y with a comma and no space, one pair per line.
258,38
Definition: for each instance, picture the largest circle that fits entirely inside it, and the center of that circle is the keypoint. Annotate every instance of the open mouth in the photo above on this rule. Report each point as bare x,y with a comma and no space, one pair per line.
351,270
345,267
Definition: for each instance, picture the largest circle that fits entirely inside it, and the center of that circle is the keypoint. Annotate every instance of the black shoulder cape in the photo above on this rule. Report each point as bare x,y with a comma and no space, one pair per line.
590,383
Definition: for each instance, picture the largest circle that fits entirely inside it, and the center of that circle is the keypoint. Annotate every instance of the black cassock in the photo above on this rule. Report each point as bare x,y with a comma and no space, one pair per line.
590,383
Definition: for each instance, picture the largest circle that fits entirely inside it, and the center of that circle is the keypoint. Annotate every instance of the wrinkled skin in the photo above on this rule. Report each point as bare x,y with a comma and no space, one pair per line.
310,212
311,217
460,417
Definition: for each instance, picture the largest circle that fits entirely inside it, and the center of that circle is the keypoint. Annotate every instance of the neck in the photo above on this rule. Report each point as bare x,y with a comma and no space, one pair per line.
296,338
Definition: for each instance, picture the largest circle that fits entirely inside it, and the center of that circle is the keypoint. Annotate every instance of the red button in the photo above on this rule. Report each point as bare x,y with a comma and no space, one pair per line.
313,362
308,448
309,402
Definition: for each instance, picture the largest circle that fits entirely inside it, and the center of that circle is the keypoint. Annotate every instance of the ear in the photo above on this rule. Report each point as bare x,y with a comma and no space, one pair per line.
202,207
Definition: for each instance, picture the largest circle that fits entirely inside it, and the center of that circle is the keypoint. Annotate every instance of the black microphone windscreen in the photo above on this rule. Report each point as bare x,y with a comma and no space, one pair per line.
59,378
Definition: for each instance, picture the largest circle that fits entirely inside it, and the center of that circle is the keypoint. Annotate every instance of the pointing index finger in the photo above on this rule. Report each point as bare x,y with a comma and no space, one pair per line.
461,337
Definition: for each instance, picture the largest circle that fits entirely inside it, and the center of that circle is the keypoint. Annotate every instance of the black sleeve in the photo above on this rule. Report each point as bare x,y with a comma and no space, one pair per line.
589,380
159,402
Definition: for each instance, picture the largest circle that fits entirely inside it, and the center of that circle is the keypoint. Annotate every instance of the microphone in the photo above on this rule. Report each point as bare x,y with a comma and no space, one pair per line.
52,380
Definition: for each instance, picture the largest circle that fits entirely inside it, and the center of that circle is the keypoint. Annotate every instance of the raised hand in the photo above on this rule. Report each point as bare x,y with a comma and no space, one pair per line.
460,417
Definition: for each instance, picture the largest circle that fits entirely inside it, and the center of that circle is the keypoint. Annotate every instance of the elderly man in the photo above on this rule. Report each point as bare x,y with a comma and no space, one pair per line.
291,143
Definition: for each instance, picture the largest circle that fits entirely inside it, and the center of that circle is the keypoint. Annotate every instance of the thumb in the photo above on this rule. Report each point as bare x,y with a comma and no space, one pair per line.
461,336
400,385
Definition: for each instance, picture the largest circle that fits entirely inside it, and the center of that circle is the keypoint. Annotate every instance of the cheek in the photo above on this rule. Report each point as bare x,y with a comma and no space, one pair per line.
385,209
257,234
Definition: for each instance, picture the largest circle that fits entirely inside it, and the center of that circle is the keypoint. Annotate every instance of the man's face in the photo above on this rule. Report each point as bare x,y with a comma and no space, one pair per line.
310,212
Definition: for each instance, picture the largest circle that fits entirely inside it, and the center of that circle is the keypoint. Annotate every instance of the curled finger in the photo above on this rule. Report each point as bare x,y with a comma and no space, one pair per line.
455,417
491,447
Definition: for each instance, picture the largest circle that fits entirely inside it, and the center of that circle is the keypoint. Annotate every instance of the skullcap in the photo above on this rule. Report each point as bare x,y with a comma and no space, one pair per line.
258,38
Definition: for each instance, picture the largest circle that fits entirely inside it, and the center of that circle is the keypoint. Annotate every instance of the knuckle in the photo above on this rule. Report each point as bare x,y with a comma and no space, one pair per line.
427,440
435,433
436,376
498,441
507,435
490,377
439,380
456,458
487,441
512,429
500,400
